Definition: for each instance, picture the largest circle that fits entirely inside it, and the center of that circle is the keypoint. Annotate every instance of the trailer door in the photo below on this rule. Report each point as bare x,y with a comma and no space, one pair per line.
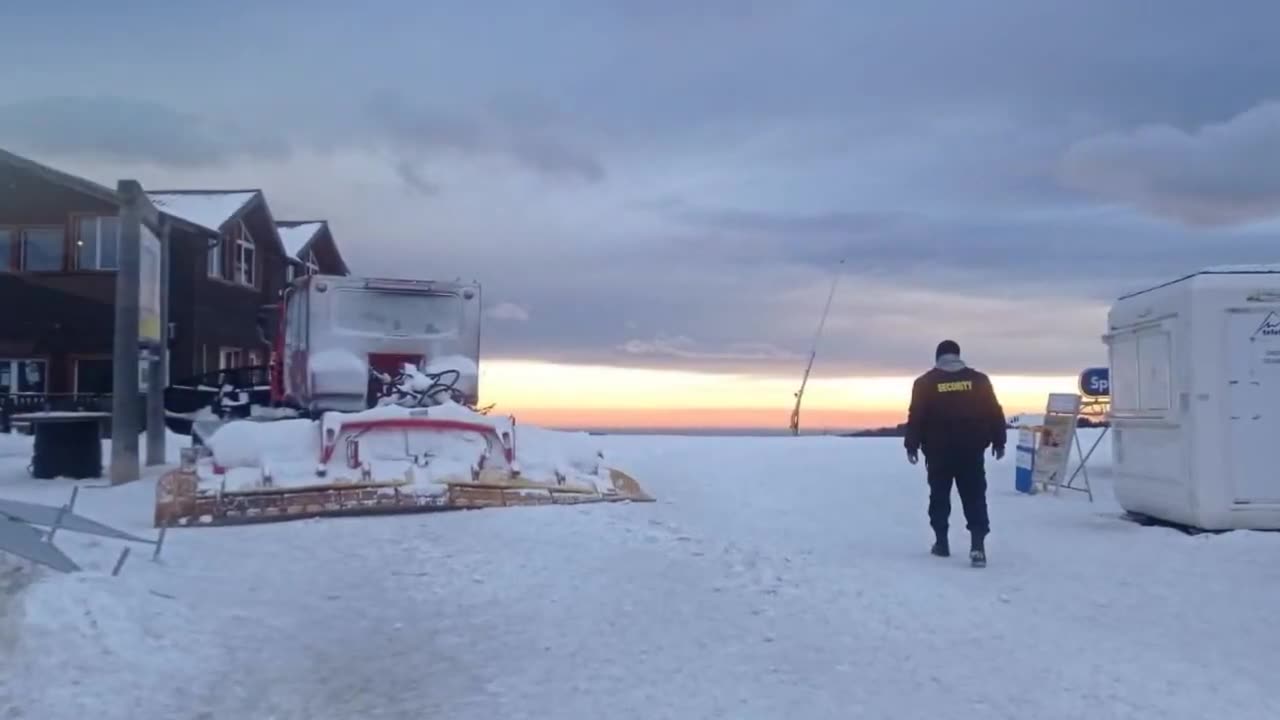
1252,350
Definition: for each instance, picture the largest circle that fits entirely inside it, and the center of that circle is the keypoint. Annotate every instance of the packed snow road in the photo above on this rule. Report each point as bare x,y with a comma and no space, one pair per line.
774,578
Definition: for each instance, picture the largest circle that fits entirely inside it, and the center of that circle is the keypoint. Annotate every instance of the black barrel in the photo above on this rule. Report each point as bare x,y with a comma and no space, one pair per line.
67,448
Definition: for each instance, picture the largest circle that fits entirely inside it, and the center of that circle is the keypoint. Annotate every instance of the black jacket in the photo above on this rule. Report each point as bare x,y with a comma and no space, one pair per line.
954,411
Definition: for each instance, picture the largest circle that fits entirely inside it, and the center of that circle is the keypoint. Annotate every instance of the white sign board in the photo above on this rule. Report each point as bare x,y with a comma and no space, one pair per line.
1056,438
149,300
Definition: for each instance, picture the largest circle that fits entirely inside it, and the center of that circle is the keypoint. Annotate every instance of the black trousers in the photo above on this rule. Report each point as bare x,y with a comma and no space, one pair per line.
968,471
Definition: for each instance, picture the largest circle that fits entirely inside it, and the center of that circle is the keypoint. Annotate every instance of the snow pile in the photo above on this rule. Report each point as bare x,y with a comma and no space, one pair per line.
66,630
291,450
803,561
296,236
250,443
15,445
465,366
210,210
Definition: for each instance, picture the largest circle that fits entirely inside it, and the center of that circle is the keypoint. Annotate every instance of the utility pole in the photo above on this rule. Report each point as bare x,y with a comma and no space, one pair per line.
124,356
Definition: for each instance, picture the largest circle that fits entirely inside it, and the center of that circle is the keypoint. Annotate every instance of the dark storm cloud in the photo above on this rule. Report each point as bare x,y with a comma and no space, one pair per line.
992,171
127,129
1226,173
424,131
1089,253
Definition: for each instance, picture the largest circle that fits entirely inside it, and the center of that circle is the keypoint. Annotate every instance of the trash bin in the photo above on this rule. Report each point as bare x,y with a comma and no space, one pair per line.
67,444
1025,461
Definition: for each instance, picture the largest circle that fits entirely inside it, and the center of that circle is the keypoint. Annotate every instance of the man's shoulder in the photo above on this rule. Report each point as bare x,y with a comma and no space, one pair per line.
927,376
934,376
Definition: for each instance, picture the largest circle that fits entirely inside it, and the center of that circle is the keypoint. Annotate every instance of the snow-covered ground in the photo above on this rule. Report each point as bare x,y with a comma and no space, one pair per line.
774,578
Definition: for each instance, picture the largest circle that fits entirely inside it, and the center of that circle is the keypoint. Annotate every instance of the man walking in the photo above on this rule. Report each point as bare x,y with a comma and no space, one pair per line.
954,417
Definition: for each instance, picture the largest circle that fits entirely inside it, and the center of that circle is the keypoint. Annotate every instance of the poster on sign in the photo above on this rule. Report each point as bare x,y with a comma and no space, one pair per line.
149,300
1023,480
1057,435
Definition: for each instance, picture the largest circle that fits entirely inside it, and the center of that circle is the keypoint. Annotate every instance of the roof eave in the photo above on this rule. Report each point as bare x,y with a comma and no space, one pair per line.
58,177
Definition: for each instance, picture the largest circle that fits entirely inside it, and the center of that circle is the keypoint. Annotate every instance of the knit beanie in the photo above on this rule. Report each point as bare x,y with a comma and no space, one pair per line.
947,347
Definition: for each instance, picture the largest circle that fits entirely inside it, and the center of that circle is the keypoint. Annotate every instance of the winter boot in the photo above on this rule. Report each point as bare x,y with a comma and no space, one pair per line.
941,547
977,552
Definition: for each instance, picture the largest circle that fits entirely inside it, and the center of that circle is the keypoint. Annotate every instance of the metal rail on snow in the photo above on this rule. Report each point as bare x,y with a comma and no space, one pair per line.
20,534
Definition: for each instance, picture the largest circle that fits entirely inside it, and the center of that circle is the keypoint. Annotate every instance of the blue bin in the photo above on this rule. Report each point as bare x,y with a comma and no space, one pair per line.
1025,460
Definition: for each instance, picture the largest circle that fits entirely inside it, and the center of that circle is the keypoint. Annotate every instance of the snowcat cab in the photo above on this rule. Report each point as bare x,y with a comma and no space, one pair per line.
348,344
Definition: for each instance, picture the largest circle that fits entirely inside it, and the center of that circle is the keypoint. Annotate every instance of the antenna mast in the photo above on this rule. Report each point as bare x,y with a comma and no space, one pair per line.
813,354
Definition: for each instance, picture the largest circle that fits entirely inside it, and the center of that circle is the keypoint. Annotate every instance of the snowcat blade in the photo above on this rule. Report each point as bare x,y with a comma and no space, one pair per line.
627,486
181,503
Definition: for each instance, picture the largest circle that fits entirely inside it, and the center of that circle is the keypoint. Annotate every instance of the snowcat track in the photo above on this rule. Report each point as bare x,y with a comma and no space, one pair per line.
180,502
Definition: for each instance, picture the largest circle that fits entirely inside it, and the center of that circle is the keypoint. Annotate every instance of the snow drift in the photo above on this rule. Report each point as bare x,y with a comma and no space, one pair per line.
291,450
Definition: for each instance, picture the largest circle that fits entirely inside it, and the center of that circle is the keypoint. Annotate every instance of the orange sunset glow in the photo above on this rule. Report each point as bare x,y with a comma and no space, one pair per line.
583,396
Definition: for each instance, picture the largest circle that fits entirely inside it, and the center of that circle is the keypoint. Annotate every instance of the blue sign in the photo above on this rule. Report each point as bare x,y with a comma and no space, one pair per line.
1026,463
1096,382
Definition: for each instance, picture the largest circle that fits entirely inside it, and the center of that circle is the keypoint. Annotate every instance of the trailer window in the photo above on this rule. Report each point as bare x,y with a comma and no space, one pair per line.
396,313
294,320
1124,373
1141,371
1155,389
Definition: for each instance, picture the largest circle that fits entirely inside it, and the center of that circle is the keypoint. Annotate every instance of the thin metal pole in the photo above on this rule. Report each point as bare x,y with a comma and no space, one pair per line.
157,378
813,353
124,356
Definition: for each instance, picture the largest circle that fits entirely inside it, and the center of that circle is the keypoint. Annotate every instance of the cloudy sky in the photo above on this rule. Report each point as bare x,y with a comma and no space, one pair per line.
669,184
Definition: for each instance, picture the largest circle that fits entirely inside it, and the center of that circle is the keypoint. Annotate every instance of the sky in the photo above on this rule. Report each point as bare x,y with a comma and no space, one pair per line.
655,195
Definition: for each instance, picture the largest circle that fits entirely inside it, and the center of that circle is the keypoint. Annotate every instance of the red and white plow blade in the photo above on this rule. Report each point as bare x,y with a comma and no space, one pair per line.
388,459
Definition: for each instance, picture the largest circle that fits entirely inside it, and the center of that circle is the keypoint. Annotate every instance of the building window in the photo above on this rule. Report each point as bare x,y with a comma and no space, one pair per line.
244,258
7,249
214,260
313,267
93,376
44,249
228,358
22,376
98,243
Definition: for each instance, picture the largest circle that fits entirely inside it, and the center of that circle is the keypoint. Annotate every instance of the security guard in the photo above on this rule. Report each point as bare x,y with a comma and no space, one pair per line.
954,417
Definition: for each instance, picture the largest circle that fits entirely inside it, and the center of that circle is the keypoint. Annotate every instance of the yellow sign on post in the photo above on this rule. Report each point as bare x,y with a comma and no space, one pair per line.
149,300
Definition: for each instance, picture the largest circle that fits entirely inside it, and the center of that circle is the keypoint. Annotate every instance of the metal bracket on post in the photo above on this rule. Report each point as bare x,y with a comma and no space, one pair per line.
1084,459
62,513
155,555
124,555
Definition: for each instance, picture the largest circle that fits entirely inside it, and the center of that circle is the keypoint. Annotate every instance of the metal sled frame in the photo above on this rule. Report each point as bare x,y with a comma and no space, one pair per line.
494,483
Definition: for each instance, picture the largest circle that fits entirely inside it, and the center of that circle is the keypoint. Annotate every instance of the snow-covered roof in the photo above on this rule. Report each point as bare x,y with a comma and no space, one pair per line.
1254,268
1244,269
58,177
209,209
295,236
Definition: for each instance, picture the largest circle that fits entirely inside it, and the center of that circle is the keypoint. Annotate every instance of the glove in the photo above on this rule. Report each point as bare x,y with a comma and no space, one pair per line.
998,452
913,457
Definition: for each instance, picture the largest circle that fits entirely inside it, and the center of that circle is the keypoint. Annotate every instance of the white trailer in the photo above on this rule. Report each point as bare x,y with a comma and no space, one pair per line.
1195,399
